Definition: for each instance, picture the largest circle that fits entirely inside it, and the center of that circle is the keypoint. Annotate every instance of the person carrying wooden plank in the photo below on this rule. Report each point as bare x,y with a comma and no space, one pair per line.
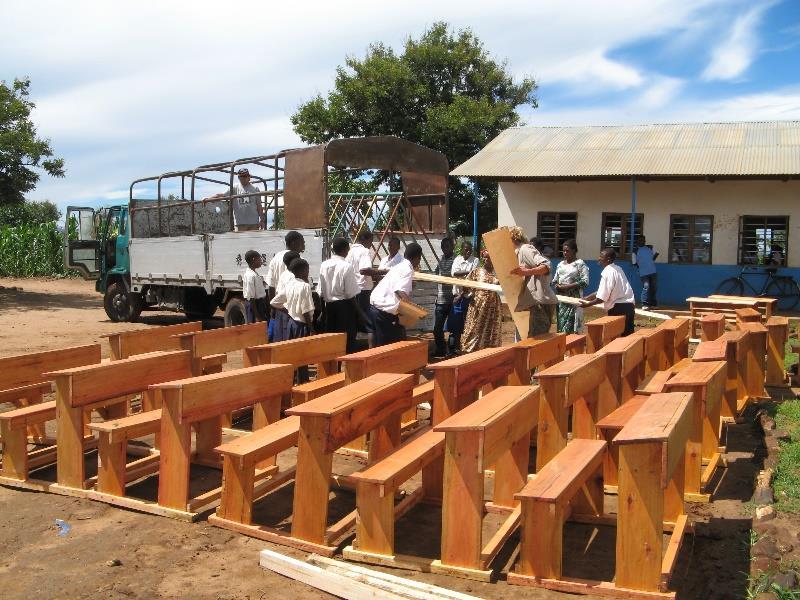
385,298
540,300
339,289
614,292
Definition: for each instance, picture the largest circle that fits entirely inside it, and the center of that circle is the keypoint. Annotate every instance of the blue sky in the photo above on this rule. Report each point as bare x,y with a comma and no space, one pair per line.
129,89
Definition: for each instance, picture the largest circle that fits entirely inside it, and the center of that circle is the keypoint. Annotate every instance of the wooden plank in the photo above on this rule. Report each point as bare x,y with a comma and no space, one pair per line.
551,432
26,369
498,408
504,259
125,344
400,357
640,514
582,374
408,459
777,336
565,473
671,555
309,350
94,383
312,480
211,395
224,340
265,442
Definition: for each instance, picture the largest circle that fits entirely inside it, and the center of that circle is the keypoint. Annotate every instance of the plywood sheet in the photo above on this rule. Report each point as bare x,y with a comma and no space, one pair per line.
504,258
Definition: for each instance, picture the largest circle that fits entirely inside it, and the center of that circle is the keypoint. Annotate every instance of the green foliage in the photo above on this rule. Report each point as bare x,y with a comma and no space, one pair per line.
444,91
21,150
787,471
31,251
28,213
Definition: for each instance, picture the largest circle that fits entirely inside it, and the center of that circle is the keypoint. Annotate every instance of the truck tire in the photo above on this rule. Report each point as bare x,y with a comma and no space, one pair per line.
121,304
235,312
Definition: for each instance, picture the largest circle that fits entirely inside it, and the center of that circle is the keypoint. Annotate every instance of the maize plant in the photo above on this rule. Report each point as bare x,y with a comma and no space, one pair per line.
31,251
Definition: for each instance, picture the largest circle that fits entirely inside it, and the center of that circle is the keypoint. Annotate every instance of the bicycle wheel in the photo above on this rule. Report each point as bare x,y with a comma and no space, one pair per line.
732,286
786,290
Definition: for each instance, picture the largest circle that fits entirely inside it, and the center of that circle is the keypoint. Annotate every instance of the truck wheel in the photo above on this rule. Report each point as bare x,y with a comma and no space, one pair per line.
235,313
121,304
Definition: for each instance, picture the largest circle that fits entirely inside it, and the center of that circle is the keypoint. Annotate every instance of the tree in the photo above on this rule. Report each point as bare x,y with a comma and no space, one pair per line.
29,213
21,150
444,91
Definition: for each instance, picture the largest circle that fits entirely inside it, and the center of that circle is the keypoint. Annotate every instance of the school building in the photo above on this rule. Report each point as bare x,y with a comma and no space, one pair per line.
709,197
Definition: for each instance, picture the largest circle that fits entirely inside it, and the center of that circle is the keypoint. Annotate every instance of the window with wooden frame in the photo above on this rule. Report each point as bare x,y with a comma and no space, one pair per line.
555,228
690,239
763,239
617,232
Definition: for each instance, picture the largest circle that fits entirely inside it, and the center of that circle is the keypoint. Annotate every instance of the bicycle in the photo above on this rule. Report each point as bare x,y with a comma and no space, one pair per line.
782,287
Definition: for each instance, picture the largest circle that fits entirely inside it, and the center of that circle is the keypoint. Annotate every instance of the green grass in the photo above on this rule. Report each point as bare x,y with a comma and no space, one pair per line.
789,358
787,471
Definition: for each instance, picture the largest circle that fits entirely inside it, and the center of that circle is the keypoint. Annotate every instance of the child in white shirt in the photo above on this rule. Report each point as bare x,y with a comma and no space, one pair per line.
296,299
253,289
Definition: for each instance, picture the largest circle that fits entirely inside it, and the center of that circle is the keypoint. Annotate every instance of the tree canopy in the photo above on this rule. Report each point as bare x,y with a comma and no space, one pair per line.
22,152
444,91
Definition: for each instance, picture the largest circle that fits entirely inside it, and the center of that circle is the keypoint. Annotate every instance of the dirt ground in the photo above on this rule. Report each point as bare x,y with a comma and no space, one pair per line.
162,558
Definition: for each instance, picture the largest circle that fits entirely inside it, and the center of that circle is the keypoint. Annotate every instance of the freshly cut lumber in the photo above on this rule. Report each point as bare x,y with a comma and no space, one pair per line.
351,582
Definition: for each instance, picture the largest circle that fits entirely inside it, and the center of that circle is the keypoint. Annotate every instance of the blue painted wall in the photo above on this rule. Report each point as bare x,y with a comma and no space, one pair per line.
678,282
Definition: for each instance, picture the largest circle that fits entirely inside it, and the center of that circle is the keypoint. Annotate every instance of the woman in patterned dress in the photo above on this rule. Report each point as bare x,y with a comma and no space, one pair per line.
484,318
570,279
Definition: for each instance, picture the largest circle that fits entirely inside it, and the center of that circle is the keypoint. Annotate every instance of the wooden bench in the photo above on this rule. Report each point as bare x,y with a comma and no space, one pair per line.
651,478
22,380
601,331
766,306
755,373
214,342
492,431
545,350
712,326
624,358
732,349
676,342
320,350
747,315
706,381
727,305
576,343
574,382
374,404
572,479
654,383
777,336
655,349
607,429
108,385
407,357
125,344
458,382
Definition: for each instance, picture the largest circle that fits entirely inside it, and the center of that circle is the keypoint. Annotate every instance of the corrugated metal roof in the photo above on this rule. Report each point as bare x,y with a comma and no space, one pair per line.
769,148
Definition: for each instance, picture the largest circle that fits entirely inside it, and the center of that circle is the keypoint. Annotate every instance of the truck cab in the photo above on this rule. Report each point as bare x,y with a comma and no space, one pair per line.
96,245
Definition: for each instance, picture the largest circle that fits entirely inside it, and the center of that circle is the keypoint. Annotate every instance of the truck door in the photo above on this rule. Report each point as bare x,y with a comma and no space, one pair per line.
81,246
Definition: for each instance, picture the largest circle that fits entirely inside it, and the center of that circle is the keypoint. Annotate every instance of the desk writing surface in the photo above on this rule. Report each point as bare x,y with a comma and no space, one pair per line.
655,420
483,413
570,365
349,396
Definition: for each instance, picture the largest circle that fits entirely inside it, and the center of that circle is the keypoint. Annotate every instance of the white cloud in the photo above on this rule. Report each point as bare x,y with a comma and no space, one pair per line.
590,72
731,58
660,92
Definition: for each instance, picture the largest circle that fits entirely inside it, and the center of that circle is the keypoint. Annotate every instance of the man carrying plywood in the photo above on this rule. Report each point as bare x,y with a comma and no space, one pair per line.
540,299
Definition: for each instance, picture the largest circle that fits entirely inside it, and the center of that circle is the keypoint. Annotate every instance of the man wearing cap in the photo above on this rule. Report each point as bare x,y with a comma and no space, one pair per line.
247,212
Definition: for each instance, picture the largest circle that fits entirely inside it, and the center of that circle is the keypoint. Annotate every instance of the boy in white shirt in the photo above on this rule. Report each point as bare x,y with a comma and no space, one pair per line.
394,257
339,289
360,256
614,292
280,320
253,290
294,242
385,299
295,297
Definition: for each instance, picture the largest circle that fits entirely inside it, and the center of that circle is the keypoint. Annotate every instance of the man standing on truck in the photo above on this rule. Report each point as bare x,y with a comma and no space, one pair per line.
248,215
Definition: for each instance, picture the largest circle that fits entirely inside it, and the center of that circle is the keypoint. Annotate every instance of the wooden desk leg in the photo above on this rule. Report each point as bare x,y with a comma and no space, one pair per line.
173,470
629,384
385,438
611,457
589,499
112,459
585,413
265,413
521,374
15,452
445,404
236,503
776,348
511,472
694,445
209,436
711,429
594,339
551,433
312,482
673,495
610,389
36,431
462,501
755,366
375,519
541,539
71,471
640,517
729,400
